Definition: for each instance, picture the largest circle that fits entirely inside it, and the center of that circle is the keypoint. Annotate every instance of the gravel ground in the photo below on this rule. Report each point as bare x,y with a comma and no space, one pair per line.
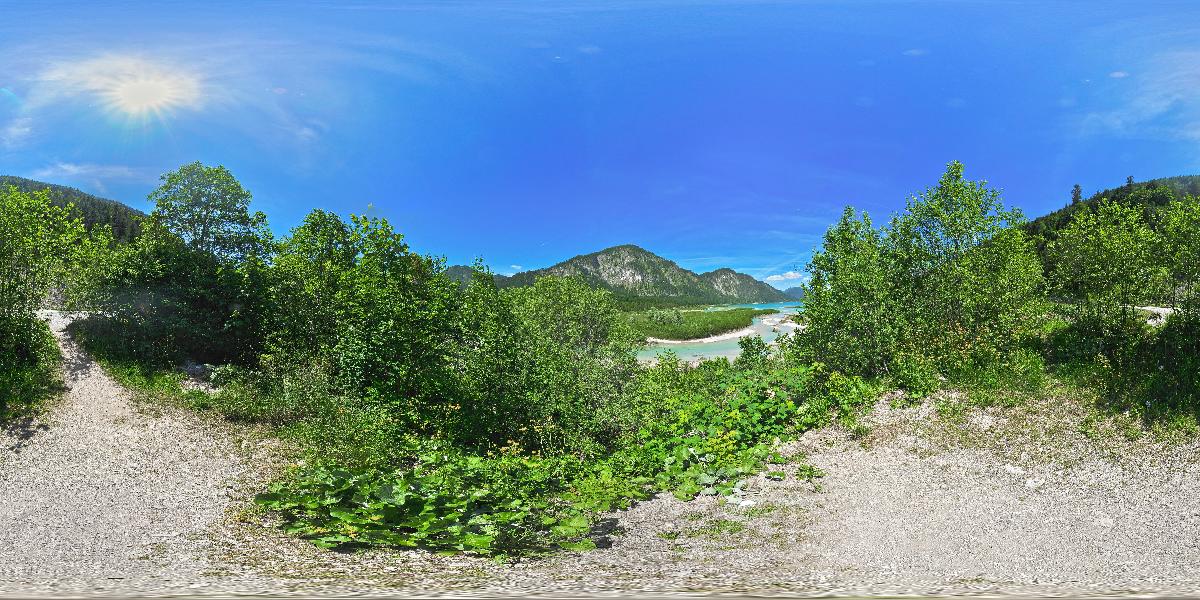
100,496
1029,500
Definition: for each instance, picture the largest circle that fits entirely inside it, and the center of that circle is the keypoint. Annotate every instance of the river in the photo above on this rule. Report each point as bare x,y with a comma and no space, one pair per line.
766,326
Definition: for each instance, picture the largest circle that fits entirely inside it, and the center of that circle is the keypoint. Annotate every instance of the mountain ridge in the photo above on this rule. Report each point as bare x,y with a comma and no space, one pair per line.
634,273
93,210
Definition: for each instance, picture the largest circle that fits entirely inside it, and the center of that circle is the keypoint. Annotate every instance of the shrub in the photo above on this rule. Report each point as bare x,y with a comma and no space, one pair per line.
950,282
37,241
850,317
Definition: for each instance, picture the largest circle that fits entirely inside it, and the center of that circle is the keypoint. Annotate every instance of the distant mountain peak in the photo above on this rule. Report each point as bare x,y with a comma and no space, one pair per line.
629,270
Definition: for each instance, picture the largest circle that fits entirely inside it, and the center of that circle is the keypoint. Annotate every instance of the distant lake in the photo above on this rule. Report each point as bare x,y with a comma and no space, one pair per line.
727,348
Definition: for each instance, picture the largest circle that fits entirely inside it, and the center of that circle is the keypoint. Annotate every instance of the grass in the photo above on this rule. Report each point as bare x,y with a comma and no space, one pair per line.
26,389
690,325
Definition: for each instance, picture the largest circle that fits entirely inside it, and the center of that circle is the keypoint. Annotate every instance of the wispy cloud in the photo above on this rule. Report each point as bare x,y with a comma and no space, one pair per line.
516,267
788,276
1163,105
69,170
914,52
16,132
1118,74
252,88
95,175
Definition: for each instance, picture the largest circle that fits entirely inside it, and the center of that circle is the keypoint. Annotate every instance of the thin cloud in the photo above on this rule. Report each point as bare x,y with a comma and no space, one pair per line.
1163,105
16,132
788,276
915,52
252,87
63,170
1118,74
516,267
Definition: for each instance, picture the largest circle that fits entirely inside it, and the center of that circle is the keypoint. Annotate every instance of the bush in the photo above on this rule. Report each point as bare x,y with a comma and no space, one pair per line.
29,370
950,282
37,242
850,316
427,413
701,431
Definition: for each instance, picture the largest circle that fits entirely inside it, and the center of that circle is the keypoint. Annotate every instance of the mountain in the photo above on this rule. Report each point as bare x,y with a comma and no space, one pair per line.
462,274
636,275
795,293
1151,196
92,209
742,287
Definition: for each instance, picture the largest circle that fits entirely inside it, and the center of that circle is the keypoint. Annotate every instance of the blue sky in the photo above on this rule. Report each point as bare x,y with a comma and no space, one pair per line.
713,133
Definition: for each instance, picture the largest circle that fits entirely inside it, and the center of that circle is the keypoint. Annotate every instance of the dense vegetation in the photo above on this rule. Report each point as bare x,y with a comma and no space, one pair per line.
437,409
952,292
123,220
949,285
428,413
1149,197
37,243
675,324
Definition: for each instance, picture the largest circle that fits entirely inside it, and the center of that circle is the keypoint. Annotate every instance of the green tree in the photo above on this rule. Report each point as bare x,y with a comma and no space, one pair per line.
1103,258
1180,250
1076,194
1103,261
354,295
193,285
37,243
849,313
965,276
210,210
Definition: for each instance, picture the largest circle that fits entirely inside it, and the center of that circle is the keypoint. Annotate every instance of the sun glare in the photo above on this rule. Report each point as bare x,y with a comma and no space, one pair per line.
132,86
146,94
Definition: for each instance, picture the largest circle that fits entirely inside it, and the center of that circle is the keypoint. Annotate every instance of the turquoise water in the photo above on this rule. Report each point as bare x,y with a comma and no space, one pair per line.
764,326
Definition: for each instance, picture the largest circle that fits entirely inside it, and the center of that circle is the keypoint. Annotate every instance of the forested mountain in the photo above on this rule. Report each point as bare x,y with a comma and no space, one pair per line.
795,293
1151,196
93,210
631,273
743,287
462,274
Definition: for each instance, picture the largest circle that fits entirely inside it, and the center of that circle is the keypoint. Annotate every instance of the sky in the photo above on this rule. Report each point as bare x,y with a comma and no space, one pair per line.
713,133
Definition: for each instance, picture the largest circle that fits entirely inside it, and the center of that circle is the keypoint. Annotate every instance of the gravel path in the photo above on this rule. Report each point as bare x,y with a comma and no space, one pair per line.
106,498
102,496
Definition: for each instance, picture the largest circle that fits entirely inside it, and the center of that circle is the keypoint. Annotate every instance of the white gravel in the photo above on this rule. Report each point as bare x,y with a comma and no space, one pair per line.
100,495
110,499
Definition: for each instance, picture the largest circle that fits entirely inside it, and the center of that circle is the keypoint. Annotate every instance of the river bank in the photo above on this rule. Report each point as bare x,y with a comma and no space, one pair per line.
768,326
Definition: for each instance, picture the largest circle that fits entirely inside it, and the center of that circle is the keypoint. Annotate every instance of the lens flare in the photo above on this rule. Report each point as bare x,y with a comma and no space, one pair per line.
144,94
135,87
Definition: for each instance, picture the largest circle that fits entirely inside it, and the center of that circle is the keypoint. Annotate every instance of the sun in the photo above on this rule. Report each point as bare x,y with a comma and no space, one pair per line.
133,87
146,93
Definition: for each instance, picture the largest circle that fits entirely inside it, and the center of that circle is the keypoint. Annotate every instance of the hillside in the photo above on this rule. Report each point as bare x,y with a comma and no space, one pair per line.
633,273
1150,195
462,274
795,293
92,209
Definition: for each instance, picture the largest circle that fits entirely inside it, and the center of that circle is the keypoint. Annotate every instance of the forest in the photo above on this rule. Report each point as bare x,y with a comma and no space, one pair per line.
432,410
676,324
